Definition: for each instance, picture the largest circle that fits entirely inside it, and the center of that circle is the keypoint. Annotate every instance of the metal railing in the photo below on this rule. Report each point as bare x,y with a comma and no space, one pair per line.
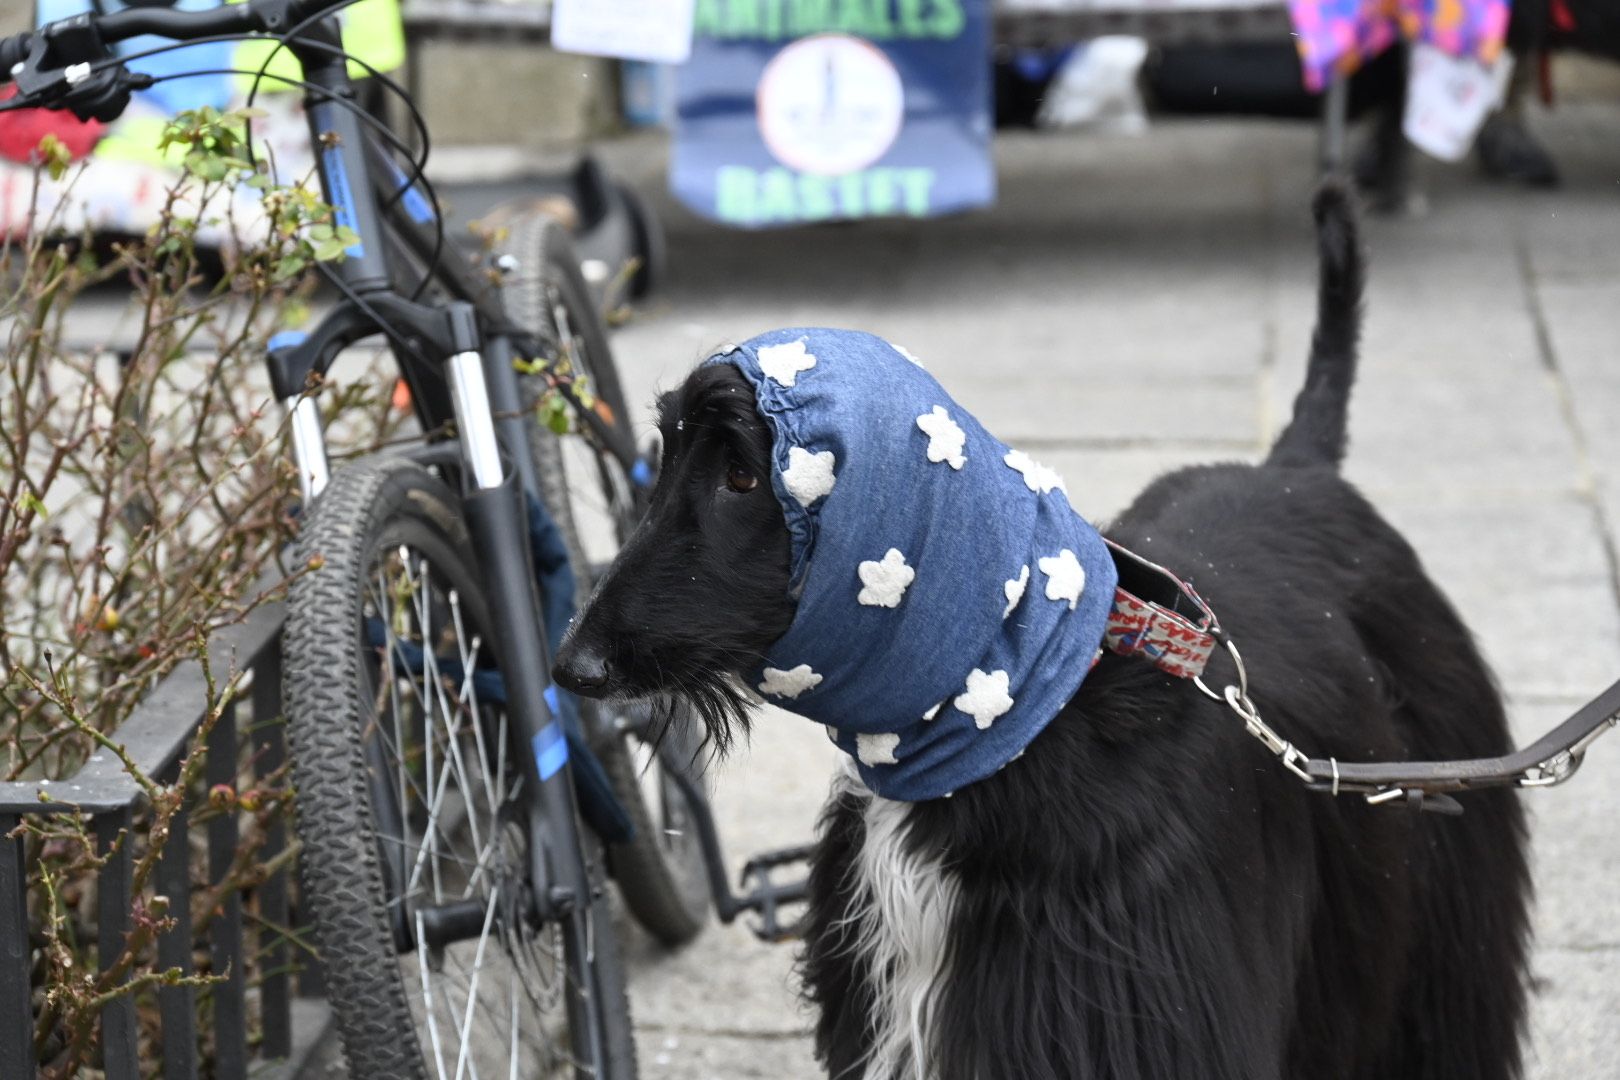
155,738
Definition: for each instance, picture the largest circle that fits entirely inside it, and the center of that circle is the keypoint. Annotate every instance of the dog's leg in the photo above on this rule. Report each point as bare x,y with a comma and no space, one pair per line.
1463,1001
879,965
830,964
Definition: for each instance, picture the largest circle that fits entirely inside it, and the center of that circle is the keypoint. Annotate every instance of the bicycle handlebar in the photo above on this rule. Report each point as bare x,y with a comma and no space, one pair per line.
255,16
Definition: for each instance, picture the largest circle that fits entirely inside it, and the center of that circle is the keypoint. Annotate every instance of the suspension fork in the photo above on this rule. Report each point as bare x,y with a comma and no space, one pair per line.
492,503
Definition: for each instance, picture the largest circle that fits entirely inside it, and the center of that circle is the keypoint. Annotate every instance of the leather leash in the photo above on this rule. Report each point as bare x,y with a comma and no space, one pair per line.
1162,618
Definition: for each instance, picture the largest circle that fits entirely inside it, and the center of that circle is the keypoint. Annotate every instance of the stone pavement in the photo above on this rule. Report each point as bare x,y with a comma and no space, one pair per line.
1136,304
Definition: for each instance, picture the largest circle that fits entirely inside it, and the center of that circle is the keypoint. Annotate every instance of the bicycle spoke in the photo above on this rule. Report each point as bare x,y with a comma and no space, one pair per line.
427,994
496,1003
472,989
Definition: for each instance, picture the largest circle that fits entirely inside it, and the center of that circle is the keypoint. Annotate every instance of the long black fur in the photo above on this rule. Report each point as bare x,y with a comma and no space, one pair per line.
1146,893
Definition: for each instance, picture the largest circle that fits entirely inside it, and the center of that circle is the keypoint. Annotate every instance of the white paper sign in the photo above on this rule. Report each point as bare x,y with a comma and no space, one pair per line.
656,30
1447,99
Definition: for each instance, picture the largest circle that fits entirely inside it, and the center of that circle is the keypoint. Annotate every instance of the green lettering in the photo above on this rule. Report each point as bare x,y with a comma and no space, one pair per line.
880,193
706,18
734,187
917,184
815,198
776,201
772,29
851,18
912,24
744,21
948,18
809,17
852,194
880,26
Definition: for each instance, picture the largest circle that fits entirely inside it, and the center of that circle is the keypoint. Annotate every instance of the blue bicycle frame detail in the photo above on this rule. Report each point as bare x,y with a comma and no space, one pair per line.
550,750
416,204
337,182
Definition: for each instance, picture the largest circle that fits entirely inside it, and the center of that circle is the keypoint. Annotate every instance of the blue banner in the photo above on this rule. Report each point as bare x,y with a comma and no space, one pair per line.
794,111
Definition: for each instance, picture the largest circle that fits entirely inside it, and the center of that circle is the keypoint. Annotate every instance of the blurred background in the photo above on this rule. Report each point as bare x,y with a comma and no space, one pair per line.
1089,219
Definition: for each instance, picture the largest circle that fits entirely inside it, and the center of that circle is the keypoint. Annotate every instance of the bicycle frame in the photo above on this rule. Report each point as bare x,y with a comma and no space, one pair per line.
476,388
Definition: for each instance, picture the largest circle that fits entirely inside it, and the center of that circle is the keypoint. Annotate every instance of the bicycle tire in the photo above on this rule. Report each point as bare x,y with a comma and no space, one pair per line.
660,871
334,713
546,288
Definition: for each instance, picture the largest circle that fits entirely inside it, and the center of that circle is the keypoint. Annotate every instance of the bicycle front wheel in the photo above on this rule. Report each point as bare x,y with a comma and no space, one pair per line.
414,808
660,870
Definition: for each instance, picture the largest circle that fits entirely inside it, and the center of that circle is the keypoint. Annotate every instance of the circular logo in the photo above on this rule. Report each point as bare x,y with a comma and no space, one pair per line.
830,104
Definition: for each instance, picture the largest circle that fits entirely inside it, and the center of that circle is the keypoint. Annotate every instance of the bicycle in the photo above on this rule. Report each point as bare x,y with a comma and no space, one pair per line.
444,789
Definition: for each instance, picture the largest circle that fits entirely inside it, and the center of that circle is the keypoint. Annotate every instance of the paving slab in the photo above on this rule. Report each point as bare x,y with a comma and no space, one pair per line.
1572,1017
725,1057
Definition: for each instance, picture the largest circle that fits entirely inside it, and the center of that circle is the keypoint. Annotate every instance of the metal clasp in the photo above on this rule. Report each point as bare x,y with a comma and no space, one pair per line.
1237,699
1555,770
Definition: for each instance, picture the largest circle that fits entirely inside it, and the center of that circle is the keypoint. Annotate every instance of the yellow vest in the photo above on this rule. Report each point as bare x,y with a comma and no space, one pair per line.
372,31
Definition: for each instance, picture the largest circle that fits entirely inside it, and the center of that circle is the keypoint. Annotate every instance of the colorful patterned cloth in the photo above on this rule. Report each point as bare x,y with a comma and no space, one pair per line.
950,600
1334,37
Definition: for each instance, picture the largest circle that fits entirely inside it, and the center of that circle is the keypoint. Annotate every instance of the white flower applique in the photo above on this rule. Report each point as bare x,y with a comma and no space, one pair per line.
1014,590
809,476
905,352
784,362
945,438
877,749
1037,477
1065,577
985,698
790,683
884,583
931,713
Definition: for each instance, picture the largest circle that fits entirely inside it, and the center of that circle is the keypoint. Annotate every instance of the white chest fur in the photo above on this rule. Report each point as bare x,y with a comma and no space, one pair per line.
901,914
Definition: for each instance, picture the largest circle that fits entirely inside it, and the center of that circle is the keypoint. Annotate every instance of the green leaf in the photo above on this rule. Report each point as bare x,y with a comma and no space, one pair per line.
331,249
289,266
30,501
55,156
553,409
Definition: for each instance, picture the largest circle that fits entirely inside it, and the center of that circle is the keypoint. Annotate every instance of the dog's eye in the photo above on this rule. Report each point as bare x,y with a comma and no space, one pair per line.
741,479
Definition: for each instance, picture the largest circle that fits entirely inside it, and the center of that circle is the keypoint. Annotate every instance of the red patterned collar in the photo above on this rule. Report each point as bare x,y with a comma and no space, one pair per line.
1159,616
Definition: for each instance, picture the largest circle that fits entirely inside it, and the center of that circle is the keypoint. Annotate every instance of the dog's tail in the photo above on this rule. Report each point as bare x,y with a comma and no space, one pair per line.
1316,434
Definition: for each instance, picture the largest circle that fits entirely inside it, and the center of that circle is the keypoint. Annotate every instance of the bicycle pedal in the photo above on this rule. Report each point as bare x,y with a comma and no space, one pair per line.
764,894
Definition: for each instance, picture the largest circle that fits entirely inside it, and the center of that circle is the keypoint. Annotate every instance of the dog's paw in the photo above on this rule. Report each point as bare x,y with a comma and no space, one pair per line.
790,683
1065,577
1037,477
784,362
809,476
883,584
985,698
945,439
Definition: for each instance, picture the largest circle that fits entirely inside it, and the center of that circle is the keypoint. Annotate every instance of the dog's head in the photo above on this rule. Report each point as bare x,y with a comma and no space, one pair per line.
832,527
700,590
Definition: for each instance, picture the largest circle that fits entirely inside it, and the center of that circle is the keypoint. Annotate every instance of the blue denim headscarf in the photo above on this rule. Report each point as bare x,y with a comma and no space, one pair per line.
950,601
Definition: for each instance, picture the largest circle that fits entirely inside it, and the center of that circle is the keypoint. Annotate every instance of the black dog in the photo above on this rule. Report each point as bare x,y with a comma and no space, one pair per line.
1145,893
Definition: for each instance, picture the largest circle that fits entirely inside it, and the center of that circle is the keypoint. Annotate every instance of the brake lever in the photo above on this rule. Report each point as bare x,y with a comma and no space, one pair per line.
87,91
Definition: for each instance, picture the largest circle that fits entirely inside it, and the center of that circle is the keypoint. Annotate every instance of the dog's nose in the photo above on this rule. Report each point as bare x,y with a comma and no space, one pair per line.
581,668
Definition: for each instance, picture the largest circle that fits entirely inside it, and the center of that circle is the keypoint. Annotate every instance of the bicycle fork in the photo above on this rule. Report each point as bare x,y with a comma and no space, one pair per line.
500,535
490,503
